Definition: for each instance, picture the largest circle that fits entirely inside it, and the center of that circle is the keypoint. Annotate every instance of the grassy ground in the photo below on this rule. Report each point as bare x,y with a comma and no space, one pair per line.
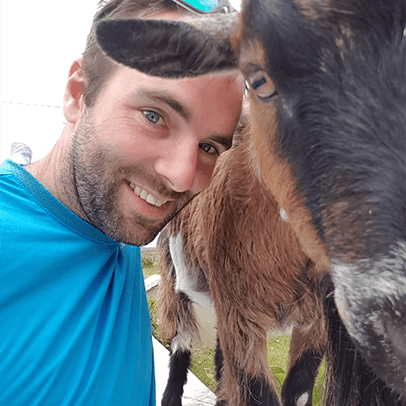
202,357
149,263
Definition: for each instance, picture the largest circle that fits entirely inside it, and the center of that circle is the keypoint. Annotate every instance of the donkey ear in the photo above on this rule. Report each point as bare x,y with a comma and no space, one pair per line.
170,49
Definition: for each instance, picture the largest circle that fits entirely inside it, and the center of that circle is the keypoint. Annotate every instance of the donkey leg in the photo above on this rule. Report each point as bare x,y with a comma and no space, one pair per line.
177,322
246,379
306,353
252,384
180,357
218,363
178,368
260,392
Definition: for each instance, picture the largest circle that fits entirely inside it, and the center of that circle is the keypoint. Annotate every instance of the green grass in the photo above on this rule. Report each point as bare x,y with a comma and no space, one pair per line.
149,264
203,357
278,352
203,365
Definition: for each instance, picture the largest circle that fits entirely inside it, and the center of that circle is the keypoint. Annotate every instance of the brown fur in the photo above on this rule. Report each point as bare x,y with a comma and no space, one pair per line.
233,237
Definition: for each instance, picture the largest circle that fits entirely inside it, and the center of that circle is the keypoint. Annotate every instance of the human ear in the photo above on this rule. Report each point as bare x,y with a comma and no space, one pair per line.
73,101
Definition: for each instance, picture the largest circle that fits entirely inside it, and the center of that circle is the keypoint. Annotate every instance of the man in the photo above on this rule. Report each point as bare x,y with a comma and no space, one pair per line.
74,322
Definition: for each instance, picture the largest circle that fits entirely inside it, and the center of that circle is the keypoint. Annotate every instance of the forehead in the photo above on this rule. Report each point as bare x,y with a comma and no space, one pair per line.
212,85
212,102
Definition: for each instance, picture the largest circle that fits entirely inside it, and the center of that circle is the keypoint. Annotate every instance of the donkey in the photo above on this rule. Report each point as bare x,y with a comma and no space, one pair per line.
230,247
327,85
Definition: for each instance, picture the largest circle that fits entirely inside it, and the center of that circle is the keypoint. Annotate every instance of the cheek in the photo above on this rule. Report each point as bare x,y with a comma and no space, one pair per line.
125,132
133,154
132,147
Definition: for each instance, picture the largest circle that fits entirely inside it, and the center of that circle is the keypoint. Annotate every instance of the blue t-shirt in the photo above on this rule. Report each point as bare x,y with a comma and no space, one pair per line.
74,321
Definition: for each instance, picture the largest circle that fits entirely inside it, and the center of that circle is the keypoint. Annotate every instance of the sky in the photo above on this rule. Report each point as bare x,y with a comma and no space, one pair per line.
36,53
39,41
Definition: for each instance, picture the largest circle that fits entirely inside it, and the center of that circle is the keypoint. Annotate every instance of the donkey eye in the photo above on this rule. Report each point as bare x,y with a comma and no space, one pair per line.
260,83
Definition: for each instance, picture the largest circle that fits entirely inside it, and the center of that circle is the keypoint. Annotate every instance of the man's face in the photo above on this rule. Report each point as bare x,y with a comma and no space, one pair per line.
148,145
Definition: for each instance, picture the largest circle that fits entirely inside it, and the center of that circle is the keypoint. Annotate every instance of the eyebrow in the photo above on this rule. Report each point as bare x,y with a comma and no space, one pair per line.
226,141
165,97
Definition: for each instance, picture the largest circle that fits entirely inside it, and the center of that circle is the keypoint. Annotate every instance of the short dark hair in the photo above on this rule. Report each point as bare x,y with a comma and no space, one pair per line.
98,68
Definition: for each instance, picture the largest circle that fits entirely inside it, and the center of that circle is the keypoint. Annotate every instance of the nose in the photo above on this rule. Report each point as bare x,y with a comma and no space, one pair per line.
178,165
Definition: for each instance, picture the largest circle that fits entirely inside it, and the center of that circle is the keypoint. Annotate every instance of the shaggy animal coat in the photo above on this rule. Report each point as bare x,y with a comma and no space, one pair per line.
232,239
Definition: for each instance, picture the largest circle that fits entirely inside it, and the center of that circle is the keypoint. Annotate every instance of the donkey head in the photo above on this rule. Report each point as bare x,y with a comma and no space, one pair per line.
334,151
337,165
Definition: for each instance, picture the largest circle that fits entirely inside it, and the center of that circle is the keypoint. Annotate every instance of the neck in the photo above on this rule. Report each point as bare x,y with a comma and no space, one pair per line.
56,172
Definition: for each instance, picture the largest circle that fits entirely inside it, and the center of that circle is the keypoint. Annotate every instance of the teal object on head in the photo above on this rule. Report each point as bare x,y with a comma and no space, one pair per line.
206,6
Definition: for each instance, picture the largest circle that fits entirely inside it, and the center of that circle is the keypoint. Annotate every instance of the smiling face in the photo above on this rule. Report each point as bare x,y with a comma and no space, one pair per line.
147,146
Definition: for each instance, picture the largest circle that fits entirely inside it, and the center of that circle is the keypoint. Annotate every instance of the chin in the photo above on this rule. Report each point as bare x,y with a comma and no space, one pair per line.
137,239
140,234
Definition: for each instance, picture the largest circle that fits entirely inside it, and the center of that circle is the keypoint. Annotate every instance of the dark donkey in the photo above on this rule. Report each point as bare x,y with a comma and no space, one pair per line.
336,72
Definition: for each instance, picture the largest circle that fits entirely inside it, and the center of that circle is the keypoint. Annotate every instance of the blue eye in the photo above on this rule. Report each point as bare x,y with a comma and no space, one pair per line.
209,149
152,116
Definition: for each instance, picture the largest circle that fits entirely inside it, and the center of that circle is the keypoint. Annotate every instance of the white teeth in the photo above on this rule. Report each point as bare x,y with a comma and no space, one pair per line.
151,199
144,195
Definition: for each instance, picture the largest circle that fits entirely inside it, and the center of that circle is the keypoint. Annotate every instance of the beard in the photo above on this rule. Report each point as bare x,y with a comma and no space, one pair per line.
97,178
